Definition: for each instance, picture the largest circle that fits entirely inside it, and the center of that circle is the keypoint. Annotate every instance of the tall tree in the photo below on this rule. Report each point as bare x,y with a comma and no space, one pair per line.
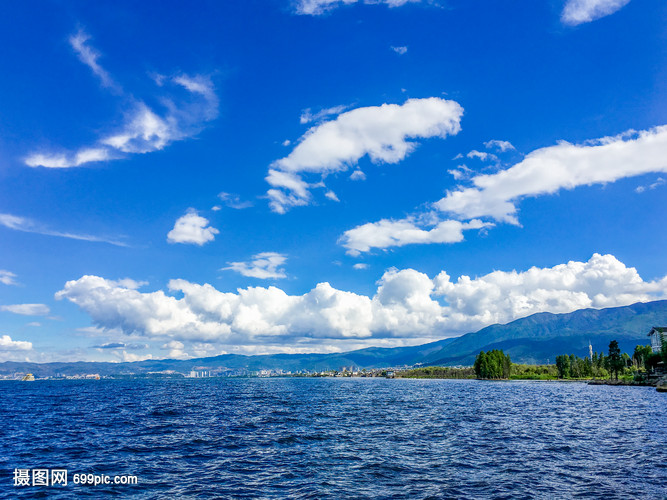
615,360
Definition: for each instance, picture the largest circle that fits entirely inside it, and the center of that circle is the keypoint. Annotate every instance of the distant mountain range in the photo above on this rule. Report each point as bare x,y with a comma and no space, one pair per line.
535,339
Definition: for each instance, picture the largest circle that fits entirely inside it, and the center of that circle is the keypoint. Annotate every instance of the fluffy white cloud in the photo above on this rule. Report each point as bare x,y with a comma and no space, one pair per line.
407,307
501,146
192,228
265,265
584,11
564,166
26,225
317,7
400,50
144,129
27,309
359,266
396,233
176,350
383,133
7,278
7,344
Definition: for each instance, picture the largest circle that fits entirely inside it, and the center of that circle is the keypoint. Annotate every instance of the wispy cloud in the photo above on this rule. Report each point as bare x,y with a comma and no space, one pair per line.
658,182
498,145
482,155
400,50
192,228
7,277
89,56
27,309
318,7
234,201
26,225
265,265
307,115
188,105
584,11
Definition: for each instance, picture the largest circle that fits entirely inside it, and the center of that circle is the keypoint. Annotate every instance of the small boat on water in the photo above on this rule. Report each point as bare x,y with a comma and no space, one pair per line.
29,377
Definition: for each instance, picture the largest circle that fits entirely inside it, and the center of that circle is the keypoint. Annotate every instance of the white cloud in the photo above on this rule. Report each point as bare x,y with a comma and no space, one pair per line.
317,7
234,201
265,265
89,56
7,344
61,160
460,172
564,166
358,175
584,11
307,115
26,225
658,182
383,133
400,50
144,129
396,233
192,228
27,309
7,278
176,350
501,146
482,155
331,195
360,266
130,357
407,306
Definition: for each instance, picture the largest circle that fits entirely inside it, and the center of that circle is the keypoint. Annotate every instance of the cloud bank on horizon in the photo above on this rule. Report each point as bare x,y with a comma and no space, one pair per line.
407,306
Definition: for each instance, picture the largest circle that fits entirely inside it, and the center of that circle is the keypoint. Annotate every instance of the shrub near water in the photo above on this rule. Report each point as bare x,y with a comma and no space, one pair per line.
534,372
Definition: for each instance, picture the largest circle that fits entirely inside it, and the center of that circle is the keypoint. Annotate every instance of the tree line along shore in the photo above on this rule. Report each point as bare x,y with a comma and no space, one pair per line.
644,367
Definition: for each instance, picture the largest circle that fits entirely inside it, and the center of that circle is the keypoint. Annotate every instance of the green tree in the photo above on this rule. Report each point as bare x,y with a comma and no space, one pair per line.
493,364
563,366
615,360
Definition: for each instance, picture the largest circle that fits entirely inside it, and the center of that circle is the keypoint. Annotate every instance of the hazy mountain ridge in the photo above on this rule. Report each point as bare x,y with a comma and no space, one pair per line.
535,339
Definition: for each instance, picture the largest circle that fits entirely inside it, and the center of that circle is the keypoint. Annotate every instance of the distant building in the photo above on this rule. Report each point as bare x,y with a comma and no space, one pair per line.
656,335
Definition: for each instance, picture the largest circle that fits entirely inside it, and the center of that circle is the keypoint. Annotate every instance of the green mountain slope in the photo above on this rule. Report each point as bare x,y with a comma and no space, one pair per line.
541,337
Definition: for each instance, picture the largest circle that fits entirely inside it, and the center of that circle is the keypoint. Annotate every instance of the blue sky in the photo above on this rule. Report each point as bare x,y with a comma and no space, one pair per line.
315,176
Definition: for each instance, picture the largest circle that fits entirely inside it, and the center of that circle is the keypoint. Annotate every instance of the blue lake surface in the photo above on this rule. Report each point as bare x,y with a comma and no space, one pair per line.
336,438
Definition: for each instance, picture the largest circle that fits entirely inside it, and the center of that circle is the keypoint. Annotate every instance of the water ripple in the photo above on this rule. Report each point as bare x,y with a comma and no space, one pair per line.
337,438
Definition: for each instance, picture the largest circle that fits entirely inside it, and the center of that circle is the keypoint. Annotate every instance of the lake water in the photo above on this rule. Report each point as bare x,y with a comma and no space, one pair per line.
336,438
